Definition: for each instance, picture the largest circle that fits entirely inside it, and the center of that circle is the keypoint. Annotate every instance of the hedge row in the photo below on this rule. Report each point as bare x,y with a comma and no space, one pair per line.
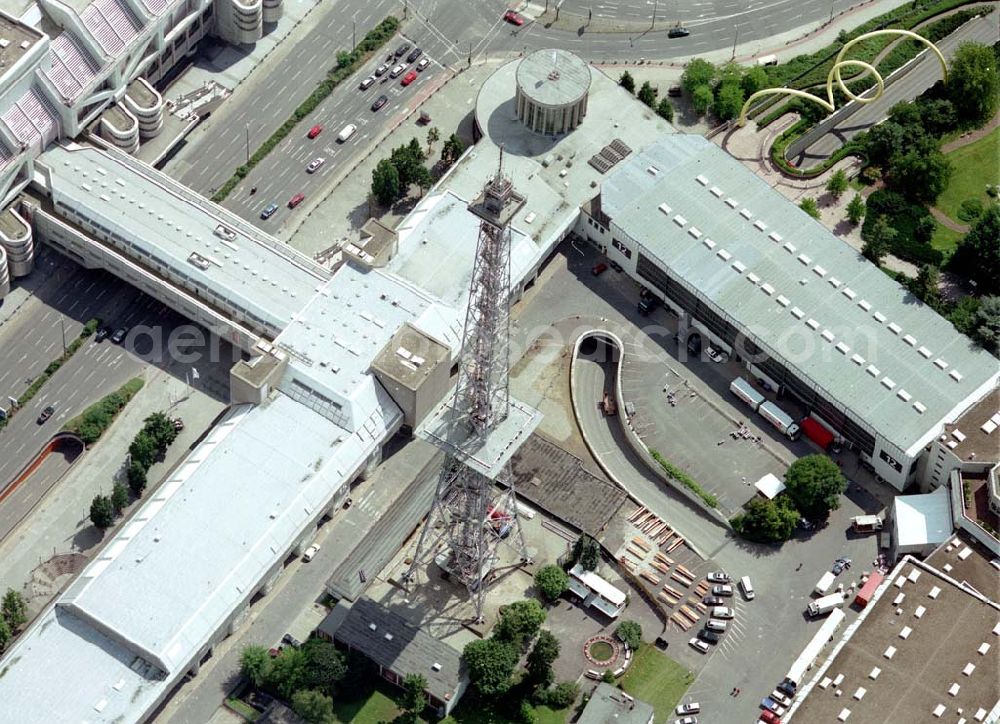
347,63
781,143
92,422
684,479
88,329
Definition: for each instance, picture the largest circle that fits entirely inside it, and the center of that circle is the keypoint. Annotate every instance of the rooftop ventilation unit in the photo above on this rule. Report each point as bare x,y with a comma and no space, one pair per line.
716,192
775,237
724,255
695,232
739,266
790,247
782,300
746,213
732,203
665,209
758,224
798,313
708,242
805,259
680,220
372,626
701,179
436,666
857,359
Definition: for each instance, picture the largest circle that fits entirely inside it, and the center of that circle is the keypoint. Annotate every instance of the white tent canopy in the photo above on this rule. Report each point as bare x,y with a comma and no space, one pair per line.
770,486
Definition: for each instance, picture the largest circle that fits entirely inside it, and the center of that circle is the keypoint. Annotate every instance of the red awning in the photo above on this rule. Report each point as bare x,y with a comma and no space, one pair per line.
868,590
816,432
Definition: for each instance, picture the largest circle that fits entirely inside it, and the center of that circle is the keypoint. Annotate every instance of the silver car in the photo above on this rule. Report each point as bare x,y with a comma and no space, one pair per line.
315,164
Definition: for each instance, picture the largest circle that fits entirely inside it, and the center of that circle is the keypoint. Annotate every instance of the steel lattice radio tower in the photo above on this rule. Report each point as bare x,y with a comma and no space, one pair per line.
472,516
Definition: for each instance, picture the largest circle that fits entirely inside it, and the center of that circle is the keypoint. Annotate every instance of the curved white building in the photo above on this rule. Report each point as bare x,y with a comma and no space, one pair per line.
146,104
17,245
552,91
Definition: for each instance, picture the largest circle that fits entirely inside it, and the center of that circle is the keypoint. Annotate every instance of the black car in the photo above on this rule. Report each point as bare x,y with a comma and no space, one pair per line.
119,336
379,102
714,601
102,334
678,32
46,414
291,641
414,54
615,265
402,49
710,636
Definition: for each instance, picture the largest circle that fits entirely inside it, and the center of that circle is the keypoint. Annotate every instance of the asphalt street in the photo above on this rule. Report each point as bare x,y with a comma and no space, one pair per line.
66,296
283,173
695,14
925,73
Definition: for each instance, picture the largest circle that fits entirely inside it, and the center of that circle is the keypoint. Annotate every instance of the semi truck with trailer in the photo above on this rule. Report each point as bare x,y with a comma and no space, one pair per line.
780,420
745,391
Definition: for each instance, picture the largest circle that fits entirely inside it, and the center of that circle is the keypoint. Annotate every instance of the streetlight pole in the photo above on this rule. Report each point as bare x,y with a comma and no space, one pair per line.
735,41
832,3
62,326
655,5
248,142
354,34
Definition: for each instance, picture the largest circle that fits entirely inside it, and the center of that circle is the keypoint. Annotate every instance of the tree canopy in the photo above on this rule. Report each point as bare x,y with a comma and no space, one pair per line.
385,182
808,205
978,255
102,512
856,209
520,621
630,632
15,609
326,664
491,663
647,94
626,81
878,240
974,83
414,698
543,655
815,484
288,672
701,99
837,183
254,664
551,581
699,72
767,521
587,552
313,706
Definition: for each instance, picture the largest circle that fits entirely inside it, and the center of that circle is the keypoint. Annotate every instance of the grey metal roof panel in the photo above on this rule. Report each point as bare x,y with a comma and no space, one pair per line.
768,239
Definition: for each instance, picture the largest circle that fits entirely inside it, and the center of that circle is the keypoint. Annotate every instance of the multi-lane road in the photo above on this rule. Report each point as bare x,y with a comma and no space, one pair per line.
451,32
925,73
282,174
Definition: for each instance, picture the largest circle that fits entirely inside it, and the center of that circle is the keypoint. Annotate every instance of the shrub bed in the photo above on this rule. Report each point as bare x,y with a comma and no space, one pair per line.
347,63
92,422
684,479
903,216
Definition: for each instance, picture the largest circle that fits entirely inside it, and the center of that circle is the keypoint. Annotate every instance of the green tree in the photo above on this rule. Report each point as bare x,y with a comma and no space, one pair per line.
119,497
878,241
815,484
491,663
344,58
837,184
767,521
987,325
963,315
520,621
551,581
974,83
15,609
313,706
701,99
453,148
161,428
921,173
728,99
630,632
753,80
626,81
357,682
665,110
433,136
414,698
559,697
587,552
102,513
926,286
288,672
978,255
136,478
808,205
327,666
699,72
856,209
647,94
539,663
255,663
5,635
385,182
143,449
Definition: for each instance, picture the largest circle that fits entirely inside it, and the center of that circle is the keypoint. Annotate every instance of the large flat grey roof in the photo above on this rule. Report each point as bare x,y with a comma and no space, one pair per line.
161,220
797,291
553,77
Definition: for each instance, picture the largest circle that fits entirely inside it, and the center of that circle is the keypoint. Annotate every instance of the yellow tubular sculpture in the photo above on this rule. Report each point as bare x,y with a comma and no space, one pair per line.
834,75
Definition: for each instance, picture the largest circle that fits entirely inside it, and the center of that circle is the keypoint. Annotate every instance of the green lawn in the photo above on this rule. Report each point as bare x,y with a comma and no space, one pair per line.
656,679
377,707
973,166
945,240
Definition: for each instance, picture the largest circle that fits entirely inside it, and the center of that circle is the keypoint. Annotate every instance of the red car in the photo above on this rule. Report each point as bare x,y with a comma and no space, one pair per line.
513,18
599,269
296,200
314,131
409,78
769,716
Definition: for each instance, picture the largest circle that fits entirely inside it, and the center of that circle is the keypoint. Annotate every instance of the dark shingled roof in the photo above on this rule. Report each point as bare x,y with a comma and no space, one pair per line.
557,482
410,650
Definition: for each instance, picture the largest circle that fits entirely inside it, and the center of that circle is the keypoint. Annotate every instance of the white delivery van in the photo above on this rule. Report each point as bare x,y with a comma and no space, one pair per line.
824,583
767,60
823,606
346,132
747,588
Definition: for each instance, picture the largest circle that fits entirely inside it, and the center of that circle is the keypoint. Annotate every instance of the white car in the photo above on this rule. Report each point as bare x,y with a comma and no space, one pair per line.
721,612
692,708
397,71
718,577
699,644
780,698
311,552
722,589
424,62
315,164
686,720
